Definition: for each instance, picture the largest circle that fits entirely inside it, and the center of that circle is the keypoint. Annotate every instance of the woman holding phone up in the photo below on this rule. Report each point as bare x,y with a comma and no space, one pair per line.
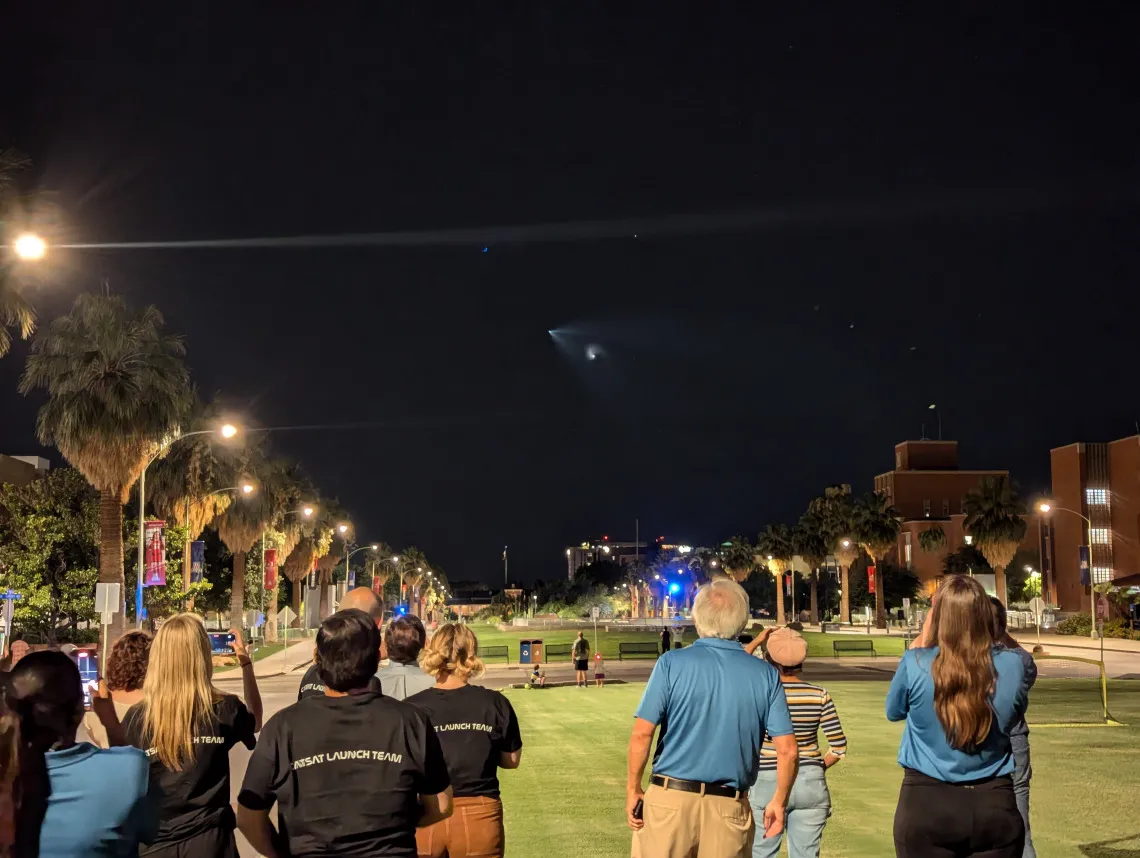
187,727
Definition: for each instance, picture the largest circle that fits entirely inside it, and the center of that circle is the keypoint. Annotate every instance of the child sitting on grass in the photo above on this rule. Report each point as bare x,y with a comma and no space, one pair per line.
537,677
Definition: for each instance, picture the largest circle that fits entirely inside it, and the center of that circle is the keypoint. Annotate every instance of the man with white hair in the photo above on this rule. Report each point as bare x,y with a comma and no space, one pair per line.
713,703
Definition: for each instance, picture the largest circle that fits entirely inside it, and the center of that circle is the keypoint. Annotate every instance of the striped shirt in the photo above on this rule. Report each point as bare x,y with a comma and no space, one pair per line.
812,709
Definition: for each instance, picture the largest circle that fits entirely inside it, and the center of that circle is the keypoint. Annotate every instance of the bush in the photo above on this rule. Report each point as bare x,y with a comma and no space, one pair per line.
1120,629
1078,624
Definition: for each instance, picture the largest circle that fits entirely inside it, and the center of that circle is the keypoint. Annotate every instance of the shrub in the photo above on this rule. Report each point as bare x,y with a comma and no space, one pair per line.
1078,624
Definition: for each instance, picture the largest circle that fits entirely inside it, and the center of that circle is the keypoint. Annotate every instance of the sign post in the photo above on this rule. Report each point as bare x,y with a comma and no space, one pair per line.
106,604
1037,606
594,611
8,596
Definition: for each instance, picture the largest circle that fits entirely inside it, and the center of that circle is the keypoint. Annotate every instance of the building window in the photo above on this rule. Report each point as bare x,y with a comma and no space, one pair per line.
1098,535
969,539
898,460
907,550
1096,497
926,507
962,507
1101,574
946,507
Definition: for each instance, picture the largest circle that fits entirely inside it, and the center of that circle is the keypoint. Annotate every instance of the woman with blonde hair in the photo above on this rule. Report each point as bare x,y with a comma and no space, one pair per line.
479,734
187,727
959,696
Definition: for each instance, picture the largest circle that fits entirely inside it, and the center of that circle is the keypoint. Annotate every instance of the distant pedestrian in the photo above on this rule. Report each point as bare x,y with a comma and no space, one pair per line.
360,598
126,672
1019,731
666,640
599,670
580,654
537,677
714,703
959,696
812,710
403,640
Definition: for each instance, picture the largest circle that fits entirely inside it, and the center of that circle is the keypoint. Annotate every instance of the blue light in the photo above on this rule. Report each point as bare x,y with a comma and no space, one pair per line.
484,249
674,588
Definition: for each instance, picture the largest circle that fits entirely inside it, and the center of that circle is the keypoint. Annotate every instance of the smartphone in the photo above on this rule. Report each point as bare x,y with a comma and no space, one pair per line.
222,643
88,674
638,809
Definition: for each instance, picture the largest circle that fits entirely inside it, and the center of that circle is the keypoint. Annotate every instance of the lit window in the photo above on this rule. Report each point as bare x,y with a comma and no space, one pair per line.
969,539
1098,535
907,552
926,507
1096,496
1101,574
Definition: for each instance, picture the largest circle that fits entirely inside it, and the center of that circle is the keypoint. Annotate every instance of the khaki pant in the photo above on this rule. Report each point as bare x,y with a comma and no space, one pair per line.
689,825
474,830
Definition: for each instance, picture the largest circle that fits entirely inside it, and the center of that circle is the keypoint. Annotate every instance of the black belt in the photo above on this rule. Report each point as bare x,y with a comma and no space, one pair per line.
696,786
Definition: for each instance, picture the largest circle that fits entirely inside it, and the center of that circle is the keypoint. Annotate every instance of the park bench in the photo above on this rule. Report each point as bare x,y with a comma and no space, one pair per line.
556,650
830,627
855,645
637,650
503,652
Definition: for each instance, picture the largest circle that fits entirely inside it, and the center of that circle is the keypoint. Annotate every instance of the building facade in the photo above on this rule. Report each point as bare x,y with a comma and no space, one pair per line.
21,470
1101,483
602,549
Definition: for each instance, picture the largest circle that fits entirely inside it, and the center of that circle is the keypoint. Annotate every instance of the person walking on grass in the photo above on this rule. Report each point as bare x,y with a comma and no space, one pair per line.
479,733
1019,732
187,727
959,697
580,655
714,703
812,710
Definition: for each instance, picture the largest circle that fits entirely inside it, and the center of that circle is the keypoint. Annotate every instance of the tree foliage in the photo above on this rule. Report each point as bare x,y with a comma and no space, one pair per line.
995,518
932,539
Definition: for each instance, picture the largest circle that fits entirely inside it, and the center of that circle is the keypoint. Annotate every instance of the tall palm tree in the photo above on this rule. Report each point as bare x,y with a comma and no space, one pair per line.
809,542
739,558
877,532
774,549
835,511
15,310
995,518
117,387
414,566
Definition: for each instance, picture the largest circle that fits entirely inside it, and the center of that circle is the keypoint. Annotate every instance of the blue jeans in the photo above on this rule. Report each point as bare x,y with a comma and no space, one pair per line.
1022,773
809,806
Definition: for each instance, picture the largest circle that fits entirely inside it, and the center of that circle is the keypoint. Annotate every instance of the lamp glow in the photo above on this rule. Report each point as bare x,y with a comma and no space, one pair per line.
30,247
229,430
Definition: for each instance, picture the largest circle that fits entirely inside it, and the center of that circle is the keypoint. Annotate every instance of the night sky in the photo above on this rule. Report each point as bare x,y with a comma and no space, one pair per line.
837,215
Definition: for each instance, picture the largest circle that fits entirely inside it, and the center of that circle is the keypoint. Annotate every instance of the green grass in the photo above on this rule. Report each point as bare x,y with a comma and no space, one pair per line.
819,645
568,798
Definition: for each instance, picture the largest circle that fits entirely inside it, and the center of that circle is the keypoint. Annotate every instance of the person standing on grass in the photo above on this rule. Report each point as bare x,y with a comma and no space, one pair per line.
580,654
666,640
126,673
1019,732
599,670
812,710
713,703
959,698
353,772
187,727
363,599
403,640
479,733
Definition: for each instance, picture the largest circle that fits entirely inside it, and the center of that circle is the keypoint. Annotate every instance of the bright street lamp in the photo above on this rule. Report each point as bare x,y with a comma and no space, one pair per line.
343,528
30,247
1044,507
228,430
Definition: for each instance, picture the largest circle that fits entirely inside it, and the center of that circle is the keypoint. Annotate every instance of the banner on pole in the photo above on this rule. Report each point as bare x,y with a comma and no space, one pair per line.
351,578
377,587
1086,566
871,580
155,542
313,577
197,561
788,584
270,562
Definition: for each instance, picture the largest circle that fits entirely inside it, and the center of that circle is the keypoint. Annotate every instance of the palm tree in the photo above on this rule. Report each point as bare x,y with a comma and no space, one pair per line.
877,532
117,387
835,511
994,517
774,549
15,311
809,542
414,566
932,539
739,558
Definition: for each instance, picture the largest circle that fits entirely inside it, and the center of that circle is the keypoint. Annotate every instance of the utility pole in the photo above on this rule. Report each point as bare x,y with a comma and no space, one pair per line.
506,583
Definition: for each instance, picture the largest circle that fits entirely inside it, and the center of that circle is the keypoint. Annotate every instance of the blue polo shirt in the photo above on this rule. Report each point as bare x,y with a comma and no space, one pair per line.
924,747
713,703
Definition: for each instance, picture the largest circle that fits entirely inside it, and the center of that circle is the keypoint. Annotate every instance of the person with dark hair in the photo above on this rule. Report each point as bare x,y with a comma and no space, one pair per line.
59,797
403,640
959,697
1019,731
352,772
360,598
126,670
580,655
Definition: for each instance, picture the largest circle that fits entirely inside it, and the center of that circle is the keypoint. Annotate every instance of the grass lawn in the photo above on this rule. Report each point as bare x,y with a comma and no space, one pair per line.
568,798
819,645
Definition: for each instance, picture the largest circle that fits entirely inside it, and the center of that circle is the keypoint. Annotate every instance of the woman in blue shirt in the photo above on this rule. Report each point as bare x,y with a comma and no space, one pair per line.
959,696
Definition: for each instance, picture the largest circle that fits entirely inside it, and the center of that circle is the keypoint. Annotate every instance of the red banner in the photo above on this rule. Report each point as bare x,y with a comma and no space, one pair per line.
788,584
871,580
155,554
270,560
377,587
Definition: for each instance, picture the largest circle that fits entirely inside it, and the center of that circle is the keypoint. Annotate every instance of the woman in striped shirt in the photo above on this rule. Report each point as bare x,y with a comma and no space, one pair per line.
812,710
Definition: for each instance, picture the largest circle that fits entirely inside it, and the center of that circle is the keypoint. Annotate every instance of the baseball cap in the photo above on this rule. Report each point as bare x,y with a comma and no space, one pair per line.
787,647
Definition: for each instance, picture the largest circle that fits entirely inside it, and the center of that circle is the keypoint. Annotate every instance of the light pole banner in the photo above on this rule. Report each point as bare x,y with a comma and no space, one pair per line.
1086,567
197,561
270,562
871,580
351,578
155,554
788,584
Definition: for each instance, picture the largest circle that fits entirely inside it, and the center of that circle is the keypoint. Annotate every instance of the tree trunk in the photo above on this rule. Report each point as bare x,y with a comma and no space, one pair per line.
237,593
111,556
880,599
324,609
813,582
780,618
298,586
999,584
845,596
271,616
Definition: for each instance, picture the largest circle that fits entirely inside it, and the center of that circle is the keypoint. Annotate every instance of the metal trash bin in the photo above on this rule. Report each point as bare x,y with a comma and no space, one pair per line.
536,651
524,652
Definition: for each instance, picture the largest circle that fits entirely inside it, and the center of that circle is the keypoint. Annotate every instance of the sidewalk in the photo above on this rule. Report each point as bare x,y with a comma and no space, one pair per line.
1052,640
299,655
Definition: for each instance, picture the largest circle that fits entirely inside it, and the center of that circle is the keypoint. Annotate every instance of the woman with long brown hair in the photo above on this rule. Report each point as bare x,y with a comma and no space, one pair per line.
959,696
187,727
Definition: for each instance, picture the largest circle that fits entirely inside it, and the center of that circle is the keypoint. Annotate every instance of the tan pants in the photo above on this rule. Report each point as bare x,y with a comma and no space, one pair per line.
474,830
688,825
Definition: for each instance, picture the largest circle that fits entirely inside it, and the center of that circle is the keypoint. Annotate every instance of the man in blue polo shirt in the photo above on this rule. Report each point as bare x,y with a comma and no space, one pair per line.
713,703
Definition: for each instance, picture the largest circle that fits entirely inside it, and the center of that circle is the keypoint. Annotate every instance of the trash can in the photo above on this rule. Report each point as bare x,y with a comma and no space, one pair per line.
536,651
524,652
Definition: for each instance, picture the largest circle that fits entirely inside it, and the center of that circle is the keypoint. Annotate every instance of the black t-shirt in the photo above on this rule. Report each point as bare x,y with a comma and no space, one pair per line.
311,685
474,725
197,798
346,774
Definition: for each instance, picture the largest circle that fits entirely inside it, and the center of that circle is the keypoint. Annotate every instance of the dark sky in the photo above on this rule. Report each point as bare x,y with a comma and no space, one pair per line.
928,207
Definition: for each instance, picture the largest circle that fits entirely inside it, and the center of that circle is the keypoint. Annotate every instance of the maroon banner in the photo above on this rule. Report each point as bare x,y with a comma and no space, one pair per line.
155,554
871,580
377,587
788,584
270,561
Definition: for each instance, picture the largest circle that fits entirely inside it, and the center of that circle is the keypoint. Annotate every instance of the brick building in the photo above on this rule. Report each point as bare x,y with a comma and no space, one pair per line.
1102,483
21,470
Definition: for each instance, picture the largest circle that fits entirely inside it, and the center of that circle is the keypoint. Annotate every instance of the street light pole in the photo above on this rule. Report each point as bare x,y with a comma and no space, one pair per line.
1046,508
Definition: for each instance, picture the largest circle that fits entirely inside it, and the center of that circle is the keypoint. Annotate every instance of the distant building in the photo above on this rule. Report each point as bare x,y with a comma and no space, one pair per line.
929,490
21,470
1102,483
602,549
